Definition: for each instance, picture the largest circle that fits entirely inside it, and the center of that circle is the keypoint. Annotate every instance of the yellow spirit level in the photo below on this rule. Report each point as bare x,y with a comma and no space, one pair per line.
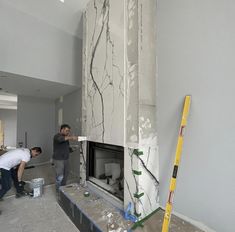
169,204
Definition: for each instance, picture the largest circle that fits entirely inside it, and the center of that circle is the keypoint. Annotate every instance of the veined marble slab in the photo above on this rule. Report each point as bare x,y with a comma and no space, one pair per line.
119,91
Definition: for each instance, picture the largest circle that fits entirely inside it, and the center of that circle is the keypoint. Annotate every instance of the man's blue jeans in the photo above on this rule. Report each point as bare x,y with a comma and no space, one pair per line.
5,181
62,170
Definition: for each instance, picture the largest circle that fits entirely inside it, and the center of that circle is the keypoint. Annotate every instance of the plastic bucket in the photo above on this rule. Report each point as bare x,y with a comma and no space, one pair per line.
37,186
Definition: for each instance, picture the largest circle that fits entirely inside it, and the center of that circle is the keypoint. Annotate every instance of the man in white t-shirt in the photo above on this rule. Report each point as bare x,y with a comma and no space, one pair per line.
11,159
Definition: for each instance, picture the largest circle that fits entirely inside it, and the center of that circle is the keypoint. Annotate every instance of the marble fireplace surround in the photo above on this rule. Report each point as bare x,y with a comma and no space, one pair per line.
119,92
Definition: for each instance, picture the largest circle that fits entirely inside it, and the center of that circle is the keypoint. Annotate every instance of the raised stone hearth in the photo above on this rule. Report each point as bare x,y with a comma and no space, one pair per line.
91,213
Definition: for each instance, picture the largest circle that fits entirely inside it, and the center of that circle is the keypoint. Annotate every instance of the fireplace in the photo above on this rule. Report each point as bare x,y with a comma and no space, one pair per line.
105,167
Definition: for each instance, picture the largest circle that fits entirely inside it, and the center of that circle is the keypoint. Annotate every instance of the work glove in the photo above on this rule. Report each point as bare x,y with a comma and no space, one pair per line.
21,185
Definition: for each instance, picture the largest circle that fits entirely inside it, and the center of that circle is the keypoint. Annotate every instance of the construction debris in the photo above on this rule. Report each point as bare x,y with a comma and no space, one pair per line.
98,211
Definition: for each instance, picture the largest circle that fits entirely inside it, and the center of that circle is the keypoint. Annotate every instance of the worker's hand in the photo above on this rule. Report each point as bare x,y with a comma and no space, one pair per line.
71,137
74,138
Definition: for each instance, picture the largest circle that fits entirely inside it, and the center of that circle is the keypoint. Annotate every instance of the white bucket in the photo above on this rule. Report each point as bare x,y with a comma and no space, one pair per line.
37,186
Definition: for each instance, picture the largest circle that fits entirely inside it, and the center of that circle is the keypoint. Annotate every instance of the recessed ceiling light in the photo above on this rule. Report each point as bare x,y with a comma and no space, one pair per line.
62,0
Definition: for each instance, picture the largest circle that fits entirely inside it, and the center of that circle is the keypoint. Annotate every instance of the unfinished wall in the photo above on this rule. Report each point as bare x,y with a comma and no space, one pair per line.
196,56
36,116
70,108
9,119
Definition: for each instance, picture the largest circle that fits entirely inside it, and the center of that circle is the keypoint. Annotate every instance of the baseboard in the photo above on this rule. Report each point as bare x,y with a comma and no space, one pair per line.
198,224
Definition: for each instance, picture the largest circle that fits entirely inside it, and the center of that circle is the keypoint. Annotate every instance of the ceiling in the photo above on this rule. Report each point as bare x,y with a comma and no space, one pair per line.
28,86
66,16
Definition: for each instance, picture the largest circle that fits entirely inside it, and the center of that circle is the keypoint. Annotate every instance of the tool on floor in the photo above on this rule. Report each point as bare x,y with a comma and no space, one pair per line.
128,215
86,194
29,167
169,204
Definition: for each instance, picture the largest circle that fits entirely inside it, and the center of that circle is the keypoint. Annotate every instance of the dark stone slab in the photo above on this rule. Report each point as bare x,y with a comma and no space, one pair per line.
91,214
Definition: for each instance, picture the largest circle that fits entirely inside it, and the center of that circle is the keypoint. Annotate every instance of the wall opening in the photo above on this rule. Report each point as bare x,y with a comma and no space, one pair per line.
8,120
105,167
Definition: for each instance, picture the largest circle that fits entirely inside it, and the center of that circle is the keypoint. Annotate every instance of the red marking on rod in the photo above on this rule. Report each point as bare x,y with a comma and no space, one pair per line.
182,131
170,199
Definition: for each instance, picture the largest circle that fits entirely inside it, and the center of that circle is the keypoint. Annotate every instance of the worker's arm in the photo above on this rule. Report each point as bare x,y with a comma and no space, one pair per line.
71,138
62,139
21,170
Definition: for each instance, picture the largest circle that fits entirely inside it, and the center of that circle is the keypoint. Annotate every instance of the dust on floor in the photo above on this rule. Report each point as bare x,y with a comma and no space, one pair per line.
154,224
28,214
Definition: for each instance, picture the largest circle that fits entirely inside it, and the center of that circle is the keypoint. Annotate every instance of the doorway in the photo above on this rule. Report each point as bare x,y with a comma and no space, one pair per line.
8,120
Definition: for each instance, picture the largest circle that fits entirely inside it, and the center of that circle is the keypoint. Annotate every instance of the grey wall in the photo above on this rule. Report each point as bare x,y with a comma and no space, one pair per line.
9,118
71,105
33,48
196,56
36,116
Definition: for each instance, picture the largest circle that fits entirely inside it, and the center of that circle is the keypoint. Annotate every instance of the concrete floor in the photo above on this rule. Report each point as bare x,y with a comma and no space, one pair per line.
44,214
34,214
154,224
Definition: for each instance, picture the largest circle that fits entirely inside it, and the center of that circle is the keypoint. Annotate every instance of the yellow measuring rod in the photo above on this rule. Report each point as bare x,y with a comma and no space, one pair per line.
169,204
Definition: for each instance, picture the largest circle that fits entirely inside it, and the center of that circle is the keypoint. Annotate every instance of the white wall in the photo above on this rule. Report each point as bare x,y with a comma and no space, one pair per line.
9,119
71,106
36,116
196,56
33,48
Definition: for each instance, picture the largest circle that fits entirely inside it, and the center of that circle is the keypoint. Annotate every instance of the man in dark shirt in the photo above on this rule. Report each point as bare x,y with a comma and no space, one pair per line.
61,152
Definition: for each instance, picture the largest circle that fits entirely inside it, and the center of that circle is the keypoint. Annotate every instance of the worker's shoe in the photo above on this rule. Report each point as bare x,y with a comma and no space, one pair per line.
21,194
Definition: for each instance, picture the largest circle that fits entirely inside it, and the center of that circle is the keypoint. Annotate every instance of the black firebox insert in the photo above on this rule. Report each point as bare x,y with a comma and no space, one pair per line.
105,167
